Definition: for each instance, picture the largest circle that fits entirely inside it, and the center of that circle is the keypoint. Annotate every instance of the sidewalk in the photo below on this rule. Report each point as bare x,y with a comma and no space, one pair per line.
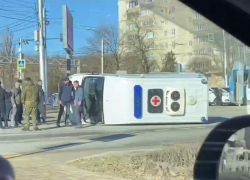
41,169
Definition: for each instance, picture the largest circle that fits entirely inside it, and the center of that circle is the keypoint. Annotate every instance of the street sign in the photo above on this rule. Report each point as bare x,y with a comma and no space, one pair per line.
21,64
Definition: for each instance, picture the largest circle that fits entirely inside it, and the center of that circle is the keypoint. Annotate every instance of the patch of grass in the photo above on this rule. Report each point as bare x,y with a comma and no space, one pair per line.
171,162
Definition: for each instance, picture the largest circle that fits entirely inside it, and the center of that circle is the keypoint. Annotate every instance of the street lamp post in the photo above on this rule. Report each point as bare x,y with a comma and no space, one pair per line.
102,49
225,59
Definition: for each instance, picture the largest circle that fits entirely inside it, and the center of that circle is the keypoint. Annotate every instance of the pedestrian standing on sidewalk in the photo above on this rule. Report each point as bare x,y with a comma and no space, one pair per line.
3,96
41,104
21,88
78,100
66,94
30,98
16,117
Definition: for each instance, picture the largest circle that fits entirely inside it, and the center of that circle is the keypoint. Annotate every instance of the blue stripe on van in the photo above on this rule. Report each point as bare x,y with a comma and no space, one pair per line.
138,101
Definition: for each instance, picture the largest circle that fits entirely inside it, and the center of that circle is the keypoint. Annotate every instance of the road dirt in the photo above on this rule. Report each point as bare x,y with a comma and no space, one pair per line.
168,163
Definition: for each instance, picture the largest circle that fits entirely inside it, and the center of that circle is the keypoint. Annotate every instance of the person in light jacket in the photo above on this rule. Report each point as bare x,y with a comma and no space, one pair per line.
78,101
16,117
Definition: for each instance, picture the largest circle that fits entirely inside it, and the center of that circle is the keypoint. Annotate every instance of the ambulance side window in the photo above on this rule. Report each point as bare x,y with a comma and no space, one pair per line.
93,85
85,85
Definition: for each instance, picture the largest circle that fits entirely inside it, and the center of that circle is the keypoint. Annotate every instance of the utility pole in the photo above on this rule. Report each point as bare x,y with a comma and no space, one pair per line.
41,41
45,53
102,63
78,65
20,56
225,59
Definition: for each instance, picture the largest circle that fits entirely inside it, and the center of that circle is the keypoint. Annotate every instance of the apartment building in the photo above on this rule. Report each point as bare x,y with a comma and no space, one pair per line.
174,27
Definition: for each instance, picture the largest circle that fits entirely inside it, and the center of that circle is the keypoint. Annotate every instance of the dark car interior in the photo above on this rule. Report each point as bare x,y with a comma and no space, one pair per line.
233,16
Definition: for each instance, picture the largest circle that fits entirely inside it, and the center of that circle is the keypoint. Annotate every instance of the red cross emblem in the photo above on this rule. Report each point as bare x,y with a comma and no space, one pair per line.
155,100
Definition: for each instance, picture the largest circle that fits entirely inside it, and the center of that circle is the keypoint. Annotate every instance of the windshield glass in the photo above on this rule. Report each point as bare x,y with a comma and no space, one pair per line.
135,85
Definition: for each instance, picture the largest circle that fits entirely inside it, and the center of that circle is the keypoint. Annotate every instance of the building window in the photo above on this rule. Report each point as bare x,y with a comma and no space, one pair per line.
166,22
149,35
195,52
166,33
173,44
172,10
148,23
173,32
132,27
166,44
166,10
133,37
197,16
145,12
150,55
204,26
200,39
151,45
148,1
190,55
190,43
210,51
201,52
132,4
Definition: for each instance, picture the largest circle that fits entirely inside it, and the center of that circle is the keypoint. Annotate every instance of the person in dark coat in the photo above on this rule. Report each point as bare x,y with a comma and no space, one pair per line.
219,98
41,104
66,97
3,96
16,102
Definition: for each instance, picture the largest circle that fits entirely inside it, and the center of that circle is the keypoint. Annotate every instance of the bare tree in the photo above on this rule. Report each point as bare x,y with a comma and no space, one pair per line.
138,40
7,50
206,66
113,46
232,50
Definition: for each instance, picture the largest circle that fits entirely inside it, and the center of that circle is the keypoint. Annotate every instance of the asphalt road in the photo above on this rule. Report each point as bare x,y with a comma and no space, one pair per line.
75,143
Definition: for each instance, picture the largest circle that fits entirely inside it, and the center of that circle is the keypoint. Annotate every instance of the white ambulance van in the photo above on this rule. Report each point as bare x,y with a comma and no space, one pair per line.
147,98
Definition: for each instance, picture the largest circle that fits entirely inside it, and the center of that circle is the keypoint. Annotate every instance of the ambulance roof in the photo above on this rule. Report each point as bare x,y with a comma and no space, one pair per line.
151,75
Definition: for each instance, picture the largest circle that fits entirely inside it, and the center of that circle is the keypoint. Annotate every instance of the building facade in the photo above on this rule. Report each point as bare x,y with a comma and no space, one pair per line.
172,26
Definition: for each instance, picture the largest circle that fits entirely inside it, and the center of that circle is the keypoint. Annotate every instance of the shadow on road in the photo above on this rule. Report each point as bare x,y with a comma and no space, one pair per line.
212,120
112,137
109,138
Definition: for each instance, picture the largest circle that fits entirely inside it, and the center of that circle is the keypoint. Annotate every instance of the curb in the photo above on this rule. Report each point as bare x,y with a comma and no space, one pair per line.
10,156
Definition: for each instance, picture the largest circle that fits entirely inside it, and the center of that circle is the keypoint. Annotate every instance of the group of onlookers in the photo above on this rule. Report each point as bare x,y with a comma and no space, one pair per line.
29,100
71,94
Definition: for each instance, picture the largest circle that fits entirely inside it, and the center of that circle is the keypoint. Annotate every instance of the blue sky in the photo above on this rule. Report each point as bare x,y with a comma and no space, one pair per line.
19,15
